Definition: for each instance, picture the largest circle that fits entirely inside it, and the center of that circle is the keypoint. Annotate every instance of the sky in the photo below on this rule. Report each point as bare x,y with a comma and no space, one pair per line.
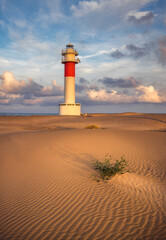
121,45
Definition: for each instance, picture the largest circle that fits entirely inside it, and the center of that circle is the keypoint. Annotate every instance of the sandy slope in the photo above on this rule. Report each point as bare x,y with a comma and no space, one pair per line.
46,183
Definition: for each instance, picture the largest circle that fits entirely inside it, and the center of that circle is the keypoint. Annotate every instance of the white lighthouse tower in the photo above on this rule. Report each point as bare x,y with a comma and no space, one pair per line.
69,107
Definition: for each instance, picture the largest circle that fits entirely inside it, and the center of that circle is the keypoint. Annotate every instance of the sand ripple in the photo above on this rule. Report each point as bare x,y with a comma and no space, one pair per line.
48,192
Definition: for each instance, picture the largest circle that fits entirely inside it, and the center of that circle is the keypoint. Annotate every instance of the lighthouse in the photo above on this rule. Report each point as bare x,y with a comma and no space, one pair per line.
69,107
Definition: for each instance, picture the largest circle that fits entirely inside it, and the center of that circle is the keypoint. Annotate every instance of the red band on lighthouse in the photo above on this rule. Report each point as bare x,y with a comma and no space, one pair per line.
70,69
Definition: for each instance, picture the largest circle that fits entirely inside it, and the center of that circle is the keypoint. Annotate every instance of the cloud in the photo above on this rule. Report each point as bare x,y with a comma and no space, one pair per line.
162,50
148,94
133,51
10,84
51,12
13,91
84,85
52,101
7,99
140,17
143,94
137,52
112,97
99,53
129,50
25,92
124,51
120,82
47,12
83,81
29,43
85,7
106,14
79,88
117,54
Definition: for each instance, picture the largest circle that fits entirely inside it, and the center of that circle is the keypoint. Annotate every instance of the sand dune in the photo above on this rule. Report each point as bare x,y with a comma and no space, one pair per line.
46,178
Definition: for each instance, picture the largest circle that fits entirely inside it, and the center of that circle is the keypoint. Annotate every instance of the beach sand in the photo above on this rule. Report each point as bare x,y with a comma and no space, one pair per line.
47,187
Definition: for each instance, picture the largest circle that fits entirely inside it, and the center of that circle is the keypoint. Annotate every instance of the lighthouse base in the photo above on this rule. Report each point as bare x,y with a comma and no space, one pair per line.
70,109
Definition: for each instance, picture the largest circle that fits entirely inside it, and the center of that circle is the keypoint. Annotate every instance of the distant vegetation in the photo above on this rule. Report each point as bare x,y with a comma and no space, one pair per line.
106,169
91,127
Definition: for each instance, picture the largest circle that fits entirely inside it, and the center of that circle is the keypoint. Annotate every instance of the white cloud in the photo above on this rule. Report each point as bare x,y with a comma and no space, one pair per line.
144,17
99,53
50,12
10,84
26,92
85,7
142,94
148,94
137,15
4,61
29,43
104,15
113,7
113,97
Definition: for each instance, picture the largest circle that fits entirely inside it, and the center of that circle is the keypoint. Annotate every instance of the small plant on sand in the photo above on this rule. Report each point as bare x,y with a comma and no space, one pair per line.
91,127
106,169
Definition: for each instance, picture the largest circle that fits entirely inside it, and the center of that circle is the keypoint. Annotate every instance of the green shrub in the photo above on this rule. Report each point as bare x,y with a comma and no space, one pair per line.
107,169
91,127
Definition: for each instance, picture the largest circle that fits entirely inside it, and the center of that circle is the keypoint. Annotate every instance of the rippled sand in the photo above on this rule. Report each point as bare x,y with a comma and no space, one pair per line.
47,189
